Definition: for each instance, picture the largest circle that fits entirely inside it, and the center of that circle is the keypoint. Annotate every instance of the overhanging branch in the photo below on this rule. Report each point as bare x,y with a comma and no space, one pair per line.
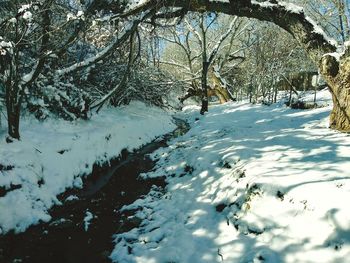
283,14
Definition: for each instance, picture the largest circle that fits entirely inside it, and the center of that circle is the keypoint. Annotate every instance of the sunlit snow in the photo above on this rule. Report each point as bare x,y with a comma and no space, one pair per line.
267,184
55,155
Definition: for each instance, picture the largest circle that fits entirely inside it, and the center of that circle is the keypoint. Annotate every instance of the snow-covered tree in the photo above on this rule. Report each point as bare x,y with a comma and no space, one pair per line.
204,46
42,45
334,66
268,63
333,15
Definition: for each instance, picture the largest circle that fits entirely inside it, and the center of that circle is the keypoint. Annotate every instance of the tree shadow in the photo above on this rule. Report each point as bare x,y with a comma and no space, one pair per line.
202,216
341,233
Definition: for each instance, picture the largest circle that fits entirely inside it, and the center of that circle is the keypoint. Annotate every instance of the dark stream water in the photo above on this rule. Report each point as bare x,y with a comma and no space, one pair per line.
105,191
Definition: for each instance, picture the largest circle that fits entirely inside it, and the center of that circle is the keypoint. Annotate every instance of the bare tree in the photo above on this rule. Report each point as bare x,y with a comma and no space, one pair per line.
32,50
333,15
206,50
309,35
268,64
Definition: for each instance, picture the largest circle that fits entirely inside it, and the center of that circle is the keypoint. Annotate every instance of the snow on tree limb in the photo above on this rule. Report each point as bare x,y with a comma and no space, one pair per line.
194,31
106,97
288,16
30,77
173,63
221,40
117,41
124,80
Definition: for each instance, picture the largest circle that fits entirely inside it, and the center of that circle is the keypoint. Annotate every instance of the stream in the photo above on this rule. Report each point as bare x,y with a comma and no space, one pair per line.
110,187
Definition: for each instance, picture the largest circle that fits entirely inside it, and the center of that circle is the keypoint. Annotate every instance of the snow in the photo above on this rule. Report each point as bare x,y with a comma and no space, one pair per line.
322,97
99,55
54,155
340,52
28,16
87,220
70,16
79,15
133,4
13,20
293,8
5,47
28,77
320,31
336,55
72,198
23,8
247,183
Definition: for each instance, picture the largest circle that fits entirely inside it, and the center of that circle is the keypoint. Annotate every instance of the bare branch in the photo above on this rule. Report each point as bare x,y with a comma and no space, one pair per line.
117,41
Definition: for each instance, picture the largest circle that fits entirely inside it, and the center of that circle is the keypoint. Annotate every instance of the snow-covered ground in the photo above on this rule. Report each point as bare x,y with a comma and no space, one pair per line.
54,155
248,183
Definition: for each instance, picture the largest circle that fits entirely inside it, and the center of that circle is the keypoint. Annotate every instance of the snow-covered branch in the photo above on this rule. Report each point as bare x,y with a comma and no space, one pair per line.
194,31
286,15
216,48
172,63
116,42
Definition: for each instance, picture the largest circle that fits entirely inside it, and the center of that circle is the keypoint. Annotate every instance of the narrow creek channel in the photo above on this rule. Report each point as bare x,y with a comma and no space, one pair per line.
105,191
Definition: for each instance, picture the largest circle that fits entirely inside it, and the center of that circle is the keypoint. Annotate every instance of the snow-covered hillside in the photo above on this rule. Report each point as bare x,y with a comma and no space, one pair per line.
247,183
54,155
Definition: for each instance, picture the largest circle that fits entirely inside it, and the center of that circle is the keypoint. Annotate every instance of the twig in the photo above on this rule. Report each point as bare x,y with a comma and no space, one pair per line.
222,257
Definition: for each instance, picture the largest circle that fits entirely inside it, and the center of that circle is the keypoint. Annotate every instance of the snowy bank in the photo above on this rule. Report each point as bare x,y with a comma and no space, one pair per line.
54,155
248,183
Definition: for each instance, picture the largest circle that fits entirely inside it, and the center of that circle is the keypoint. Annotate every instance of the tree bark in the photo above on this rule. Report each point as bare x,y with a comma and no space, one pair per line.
205,66
337,76
13,117
205,99
13,108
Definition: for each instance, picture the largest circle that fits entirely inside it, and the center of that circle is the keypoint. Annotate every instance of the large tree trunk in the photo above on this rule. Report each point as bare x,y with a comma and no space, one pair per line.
13,111
337,76
221,93
13,116
340,117
13,98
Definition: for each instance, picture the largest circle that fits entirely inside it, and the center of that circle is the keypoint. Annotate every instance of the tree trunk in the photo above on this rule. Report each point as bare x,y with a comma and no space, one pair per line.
340,115
315,94
290,96
12,98
13,112
205,99
13,117
220,93
337,76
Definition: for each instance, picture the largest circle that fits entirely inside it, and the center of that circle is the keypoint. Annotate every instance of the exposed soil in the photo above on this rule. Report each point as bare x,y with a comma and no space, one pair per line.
105,191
